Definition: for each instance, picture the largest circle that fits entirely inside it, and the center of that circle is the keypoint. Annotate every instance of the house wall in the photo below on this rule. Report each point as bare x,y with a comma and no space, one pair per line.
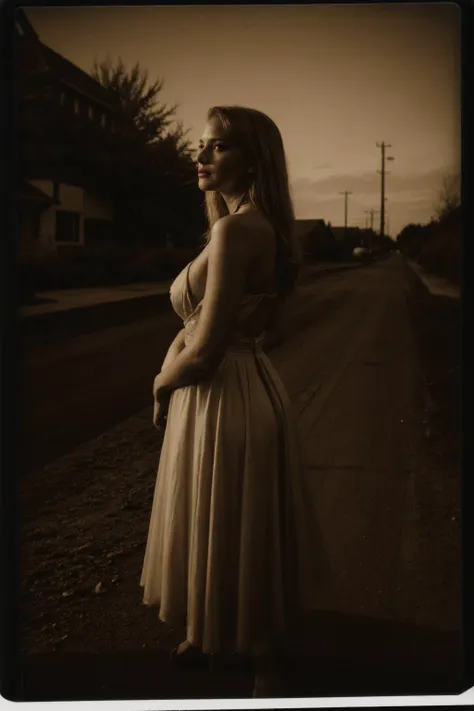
70,198
47,221
95,211
28,222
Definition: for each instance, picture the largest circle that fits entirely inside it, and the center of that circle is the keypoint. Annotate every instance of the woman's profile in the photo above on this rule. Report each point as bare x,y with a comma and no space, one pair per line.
230,552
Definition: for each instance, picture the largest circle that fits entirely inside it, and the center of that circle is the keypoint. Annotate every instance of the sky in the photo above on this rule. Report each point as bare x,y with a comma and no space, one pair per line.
336,79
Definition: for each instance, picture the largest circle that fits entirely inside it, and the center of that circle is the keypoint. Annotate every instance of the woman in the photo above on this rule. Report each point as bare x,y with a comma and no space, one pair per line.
231,546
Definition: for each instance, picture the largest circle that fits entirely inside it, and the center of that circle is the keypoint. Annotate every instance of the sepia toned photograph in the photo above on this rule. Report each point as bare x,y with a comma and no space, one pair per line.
239,319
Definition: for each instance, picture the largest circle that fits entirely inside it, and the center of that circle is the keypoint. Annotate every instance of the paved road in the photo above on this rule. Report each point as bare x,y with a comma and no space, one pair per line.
75,387
355,382
74,390
351,367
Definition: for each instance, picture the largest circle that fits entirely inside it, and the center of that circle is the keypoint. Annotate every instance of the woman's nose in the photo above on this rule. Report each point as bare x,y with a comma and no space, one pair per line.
201,156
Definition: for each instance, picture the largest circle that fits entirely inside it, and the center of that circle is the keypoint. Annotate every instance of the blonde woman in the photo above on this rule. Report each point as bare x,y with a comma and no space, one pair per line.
232,546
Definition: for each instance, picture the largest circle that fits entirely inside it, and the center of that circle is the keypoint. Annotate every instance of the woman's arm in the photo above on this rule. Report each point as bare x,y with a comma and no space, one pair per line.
174,350
230,252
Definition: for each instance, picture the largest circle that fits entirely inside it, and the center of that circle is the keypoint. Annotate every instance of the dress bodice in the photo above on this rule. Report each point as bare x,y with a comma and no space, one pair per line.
188,308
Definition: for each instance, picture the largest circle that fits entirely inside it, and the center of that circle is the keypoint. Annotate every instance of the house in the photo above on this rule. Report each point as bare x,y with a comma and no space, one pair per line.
348,238
32,203
55,209
303,227
317,239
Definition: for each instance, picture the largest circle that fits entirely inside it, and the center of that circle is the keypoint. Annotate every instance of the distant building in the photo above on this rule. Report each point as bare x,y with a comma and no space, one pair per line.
317,239
303,227
348,238
55,211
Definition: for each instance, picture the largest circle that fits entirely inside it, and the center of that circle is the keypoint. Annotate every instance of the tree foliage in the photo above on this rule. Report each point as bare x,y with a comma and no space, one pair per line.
437,244
157,193
142,117
449,195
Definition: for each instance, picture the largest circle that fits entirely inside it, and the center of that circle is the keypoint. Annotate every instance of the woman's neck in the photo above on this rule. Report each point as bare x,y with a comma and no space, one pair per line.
235,202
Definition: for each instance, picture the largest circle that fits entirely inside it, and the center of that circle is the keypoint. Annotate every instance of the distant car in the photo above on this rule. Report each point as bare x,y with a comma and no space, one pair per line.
363,254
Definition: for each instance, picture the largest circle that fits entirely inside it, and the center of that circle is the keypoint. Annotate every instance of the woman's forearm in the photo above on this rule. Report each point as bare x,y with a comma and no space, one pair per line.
174,350
187,368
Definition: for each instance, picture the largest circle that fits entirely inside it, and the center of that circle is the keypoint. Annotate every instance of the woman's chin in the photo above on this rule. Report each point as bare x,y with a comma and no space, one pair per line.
206,185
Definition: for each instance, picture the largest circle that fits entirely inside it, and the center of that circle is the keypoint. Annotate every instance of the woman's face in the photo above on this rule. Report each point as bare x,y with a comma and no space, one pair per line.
221,166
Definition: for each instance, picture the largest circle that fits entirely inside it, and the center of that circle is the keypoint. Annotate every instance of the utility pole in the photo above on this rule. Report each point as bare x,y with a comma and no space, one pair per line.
383,172
345,193
371,213
370,236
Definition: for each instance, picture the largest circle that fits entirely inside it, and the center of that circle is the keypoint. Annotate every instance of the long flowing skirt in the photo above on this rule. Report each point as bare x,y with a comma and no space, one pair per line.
233,548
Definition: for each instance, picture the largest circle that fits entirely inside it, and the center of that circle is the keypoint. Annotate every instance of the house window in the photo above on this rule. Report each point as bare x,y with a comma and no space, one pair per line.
67,226
102,120
62,98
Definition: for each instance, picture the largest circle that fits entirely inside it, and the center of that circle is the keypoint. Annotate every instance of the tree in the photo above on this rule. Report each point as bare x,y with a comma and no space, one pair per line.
449,195
141,115
157,190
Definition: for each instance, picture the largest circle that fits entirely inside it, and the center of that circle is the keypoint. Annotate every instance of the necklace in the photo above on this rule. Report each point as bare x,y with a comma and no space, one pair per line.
239,204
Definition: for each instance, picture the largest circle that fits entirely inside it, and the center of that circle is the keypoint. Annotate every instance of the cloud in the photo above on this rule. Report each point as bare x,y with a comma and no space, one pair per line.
368,184
411,197
323,166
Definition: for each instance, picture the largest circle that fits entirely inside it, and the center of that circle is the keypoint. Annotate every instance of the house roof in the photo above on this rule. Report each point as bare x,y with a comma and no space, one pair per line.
68,73
27,191
24,27
304,227
61,68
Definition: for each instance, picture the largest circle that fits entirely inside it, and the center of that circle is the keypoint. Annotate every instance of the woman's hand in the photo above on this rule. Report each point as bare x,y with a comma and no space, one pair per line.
160,415
161,406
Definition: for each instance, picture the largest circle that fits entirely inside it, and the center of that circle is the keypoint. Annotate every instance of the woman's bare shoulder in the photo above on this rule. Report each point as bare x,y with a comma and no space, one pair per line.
255,228
249,228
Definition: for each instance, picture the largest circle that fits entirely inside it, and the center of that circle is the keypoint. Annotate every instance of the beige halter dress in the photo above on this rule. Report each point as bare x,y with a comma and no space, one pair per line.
233,546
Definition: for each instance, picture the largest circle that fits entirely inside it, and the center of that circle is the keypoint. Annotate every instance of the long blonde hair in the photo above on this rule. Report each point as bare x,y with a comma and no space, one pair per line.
260,141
